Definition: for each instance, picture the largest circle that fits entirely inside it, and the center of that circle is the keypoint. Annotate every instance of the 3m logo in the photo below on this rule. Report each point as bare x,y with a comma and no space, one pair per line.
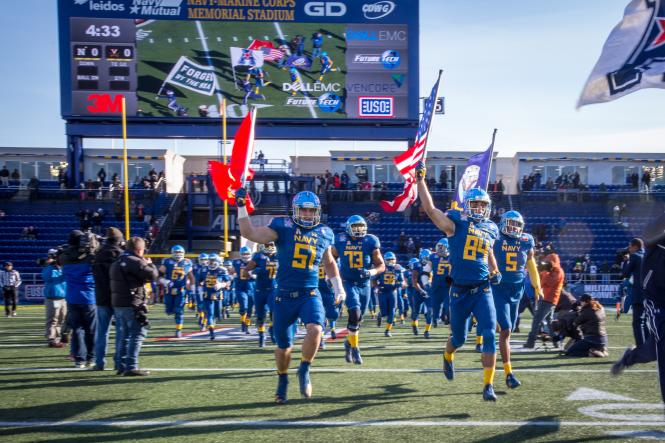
105,104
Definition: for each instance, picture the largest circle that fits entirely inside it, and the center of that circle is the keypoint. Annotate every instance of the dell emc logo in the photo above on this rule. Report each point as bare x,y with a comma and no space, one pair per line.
325,9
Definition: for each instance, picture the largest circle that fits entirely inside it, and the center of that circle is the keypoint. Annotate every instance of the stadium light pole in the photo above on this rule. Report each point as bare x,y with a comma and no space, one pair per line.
126,172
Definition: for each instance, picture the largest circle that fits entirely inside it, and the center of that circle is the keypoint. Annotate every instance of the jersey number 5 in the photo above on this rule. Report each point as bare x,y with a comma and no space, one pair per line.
303,256
511,261
474,246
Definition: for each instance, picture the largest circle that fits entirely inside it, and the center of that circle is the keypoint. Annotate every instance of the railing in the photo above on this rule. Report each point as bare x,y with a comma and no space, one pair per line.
171,218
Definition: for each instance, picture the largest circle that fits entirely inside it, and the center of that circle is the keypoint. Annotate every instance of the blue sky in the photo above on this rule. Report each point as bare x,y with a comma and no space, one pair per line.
517,65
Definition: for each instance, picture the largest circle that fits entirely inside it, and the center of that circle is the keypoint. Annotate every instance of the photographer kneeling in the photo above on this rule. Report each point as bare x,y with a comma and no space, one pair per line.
128,275
591,322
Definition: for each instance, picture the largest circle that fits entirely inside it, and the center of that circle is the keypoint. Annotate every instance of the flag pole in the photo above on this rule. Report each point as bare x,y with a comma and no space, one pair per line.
226,203
250,148
126,172
489,170
429,125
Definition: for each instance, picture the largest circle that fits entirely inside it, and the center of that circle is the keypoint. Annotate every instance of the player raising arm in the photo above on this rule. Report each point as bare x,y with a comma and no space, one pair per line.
471,236
302,243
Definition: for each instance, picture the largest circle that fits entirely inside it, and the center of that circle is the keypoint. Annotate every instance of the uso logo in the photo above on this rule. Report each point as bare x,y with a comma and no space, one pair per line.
390,59
376,107
329,102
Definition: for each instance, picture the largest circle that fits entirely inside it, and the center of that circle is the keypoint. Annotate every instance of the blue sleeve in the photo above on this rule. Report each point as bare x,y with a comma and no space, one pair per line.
374,243
530,242
455,216
256,258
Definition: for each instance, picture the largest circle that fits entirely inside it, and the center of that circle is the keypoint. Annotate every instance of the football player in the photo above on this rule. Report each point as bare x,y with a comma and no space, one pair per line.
440,282
259,80
264,265
215,279
421,277
388,281
302,244
514,253
296,81
326,65
328,299
179,278
245,287
199,269
317,43
471,236
360,260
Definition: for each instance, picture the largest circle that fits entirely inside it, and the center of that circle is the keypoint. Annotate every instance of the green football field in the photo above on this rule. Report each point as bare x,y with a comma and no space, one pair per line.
204,391
162,43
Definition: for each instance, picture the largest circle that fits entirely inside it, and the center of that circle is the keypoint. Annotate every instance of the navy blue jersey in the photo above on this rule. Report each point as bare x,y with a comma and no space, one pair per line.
210,278
424,273
177,272
355,254
199,271
390,279
265,270
299,253
441,268
511,254
244,281
469,249
408,278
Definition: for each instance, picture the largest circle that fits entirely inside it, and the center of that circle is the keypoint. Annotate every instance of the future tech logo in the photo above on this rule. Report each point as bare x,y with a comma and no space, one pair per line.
390,59
329,102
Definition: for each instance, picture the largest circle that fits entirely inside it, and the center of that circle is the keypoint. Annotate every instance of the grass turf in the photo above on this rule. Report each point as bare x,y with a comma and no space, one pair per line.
399,382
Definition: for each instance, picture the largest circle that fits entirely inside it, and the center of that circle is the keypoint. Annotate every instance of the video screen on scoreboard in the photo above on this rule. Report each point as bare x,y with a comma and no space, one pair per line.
288,70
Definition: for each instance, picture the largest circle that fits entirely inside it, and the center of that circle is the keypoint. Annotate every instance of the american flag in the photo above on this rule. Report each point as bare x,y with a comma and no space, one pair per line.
270,53
406,162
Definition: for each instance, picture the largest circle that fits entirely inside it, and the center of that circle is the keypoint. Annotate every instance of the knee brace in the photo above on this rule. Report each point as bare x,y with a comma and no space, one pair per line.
354,319
489,341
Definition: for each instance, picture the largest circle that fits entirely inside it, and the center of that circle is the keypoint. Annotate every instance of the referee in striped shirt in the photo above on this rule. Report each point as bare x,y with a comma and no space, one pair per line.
10,280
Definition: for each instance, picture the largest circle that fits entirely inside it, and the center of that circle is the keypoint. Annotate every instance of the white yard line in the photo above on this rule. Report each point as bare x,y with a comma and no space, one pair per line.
325,423
312,111
204,43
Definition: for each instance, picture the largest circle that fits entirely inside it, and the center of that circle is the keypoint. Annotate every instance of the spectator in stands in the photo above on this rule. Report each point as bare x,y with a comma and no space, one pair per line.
55,289
115,178
591,322
401,242
4,176
633,269
62,178
202,185
551,278
98,185
129,274
29,233
410,246
140,212
443,179
82,193
77,262
112,248
33,188
337,182
634,180
118,210
616,214
85,219
15,175
344,180
646,181
10,280
537,179
101,175
97,220
320,184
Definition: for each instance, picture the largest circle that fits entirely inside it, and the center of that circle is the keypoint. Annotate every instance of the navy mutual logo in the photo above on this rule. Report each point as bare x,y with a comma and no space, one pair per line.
390,59
375,11
330,102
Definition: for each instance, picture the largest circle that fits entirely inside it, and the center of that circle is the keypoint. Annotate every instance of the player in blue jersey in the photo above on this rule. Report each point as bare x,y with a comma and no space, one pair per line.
177,272
403,300
199,269
421,280
259,80
514,254
326,65
388,282
360,259
245,287
215,278
332,309
302,244
471,236
317,43
296,81
440,292
264,265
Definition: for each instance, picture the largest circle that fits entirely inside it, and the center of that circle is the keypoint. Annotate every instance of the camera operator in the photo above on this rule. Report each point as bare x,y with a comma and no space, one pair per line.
551,279
129,274
591,322
112,248
54,299
76,263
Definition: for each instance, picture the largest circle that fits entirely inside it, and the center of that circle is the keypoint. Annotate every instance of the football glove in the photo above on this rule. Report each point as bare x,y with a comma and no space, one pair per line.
495,278
365,273
241,197
421,171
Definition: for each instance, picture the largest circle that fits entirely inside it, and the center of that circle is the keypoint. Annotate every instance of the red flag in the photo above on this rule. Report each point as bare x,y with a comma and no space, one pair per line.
230,177
404,200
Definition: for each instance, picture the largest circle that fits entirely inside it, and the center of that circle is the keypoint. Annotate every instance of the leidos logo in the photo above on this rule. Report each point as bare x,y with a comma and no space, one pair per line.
375,11
325,9
330,102
105,104
107,5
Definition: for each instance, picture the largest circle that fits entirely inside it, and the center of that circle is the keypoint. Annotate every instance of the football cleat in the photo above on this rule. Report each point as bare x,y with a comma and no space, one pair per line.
479,348
355,354
512,382
333,334
178,333
322,343
347,352
426,334
304,381
243,327
262,340
488,393
387,333
448,369
415,330
618,367
212,334
378,321
282,389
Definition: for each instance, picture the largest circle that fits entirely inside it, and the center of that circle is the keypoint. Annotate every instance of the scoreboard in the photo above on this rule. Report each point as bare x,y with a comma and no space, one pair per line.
295,60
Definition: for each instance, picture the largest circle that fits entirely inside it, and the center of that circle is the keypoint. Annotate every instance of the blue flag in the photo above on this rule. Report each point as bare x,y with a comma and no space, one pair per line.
476,174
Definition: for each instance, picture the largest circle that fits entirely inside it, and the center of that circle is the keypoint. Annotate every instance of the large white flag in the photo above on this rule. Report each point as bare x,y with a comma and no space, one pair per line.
246,57
633,56
192,76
